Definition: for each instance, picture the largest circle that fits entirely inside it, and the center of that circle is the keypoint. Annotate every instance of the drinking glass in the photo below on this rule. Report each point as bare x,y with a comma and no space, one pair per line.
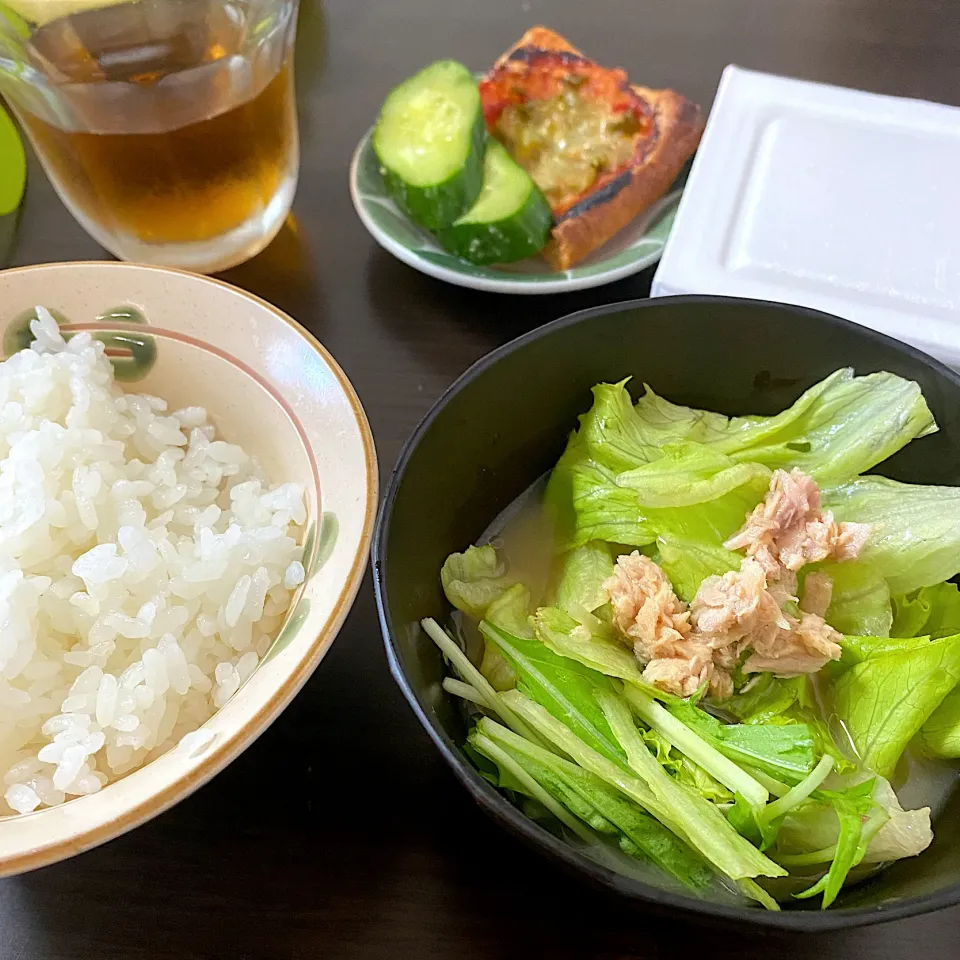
167,127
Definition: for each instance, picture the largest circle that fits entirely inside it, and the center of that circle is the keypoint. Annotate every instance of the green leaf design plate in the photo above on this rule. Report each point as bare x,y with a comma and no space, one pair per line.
636,246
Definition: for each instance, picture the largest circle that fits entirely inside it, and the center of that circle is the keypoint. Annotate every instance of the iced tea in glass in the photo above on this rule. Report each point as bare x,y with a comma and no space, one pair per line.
167,127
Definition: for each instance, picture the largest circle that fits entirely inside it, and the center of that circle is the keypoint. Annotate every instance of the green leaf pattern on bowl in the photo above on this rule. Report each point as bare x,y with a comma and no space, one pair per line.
317,548
132,354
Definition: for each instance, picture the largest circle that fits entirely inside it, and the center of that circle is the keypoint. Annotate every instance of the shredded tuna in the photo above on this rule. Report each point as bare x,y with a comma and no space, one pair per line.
731,616
645,608
736,608
817,594
652,617
784,588
804,648
741,614
789,528
685,676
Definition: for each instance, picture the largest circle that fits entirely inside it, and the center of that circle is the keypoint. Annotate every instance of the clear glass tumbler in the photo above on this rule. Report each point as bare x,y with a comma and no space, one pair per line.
167,127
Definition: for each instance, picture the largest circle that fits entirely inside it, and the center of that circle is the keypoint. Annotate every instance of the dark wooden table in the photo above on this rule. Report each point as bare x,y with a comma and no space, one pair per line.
339,834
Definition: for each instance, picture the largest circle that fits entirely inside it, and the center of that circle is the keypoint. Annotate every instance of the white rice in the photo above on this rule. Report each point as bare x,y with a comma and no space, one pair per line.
145,567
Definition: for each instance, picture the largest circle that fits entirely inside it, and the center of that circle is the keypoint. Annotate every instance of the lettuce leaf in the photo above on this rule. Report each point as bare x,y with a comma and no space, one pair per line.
837,429
940,735
688,563
915,536
584,503
858,649
574,641
906,832
860,603
477,584
580,587
472,580
673,422
617,434
561,686
510,611
884,700
684,770
933,611
690,473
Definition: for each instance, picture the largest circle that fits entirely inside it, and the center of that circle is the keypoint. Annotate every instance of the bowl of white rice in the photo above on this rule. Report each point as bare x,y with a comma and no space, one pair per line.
187,490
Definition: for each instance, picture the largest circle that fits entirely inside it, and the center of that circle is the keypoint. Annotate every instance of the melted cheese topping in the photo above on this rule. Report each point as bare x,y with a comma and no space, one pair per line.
567,142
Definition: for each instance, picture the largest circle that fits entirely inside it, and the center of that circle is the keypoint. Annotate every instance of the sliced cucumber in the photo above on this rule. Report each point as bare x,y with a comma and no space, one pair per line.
429,140
511,219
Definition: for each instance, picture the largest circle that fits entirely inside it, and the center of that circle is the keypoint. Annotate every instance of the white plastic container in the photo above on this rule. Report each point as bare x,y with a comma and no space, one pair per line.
836,199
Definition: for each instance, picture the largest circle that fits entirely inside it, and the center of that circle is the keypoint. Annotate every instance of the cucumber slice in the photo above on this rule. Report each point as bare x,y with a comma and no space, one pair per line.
511,219
429,140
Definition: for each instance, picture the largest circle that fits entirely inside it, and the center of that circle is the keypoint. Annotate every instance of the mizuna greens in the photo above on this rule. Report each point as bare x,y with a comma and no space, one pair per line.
775,783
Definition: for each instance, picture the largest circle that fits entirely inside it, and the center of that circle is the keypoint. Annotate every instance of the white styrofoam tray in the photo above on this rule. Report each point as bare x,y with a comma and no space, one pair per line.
836,199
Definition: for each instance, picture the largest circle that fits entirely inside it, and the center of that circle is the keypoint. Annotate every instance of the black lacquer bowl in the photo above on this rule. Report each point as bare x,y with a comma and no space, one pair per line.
505,422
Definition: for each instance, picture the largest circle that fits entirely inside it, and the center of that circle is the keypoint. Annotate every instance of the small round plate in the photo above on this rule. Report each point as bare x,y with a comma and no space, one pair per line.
637,246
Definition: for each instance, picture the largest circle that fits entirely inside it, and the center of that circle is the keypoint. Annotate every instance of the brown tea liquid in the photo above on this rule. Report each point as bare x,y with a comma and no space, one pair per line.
173,126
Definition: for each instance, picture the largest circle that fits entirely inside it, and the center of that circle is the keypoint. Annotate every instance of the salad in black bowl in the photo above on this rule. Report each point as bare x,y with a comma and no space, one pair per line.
711,651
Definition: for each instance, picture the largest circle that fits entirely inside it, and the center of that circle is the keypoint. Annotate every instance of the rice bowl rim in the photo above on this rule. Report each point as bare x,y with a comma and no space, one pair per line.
234,741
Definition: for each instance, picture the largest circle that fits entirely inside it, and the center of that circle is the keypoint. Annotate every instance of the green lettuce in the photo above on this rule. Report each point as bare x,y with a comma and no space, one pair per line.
885,699
687,474
477,584
472,580
858,649
584,503
914,539
932,611
580,587
839,428
940,735
575,641
511,612
689,562
860,603
618,435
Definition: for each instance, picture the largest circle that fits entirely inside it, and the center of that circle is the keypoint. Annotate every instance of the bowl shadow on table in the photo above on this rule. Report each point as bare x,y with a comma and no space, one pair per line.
410,305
